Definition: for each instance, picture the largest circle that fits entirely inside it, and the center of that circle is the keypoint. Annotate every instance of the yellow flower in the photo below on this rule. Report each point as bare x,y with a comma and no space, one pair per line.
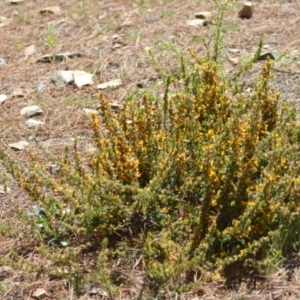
271,178
170,255
214,202
210,132
211,173
164,210
283,162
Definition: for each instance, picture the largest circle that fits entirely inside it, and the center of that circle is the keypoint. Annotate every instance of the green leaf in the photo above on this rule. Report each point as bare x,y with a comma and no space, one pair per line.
41,222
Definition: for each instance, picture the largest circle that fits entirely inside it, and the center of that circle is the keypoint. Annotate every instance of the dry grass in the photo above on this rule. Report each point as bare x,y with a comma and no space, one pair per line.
89,27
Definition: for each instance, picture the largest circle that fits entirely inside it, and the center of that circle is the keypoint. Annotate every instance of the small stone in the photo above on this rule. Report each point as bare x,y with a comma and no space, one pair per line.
234,51
82,78
116,38
4,21
18,92
206,15
53,169
19,145
30,50
247,11
3,98
234,60
31,111
265,56
42,87
89,111
3,190
110,84
51,9
98,291
117,46
15,1
32,123
115,106
63,77
197,22
47,58
40,294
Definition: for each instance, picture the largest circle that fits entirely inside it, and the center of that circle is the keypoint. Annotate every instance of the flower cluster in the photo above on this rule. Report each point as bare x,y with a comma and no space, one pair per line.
201,178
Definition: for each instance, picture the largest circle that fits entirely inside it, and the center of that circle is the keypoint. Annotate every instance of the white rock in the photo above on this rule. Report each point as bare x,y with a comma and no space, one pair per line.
14,1
4,21
203,15
31,111
40,294
30,50
234,60
32,123
42,87
234,50
110,84
51,9
3,98
98,291
116,38
18,92
89,111
53,169
82,78
63,77
117,46
19,146
247,11
4,190
196,22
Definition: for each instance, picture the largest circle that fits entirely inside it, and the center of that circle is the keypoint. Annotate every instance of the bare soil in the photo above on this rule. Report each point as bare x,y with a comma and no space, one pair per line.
113,38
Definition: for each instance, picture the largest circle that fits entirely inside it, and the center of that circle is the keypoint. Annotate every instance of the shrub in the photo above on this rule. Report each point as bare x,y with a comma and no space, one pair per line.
180,187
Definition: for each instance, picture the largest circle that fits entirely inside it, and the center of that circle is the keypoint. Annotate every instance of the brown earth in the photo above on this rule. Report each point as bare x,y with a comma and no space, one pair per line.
113,38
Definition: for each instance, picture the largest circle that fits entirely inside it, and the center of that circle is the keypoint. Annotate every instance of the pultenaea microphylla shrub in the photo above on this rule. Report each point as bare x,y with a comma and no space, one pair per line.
202,178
